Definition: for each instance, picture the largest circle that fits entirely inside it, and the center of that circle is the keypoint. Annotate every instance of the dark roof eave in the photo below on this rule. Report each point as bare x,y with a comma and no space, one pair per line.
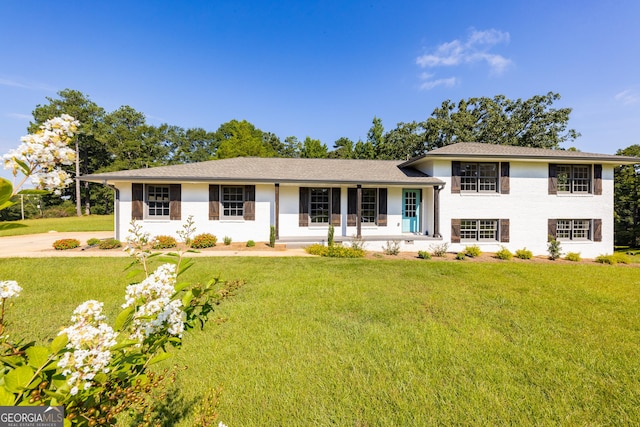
609,160
428,181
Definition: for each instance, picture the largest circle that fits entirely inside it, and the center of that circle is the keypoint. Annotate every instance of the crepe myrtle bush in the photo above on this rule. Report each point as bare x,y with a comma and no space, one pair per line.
98,369
64,244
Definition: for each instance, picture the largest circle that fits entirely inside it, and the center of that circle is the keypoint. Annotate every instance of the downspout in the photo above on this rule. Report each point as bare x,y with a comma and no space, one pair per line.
436,211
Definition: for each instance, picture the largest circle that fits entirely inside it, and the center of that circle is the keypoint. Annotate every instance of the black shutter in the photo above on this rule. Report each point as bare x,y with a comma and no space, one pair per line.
137,201
175,202
455,230
214,202
352,207
303,211
597,230
382,207
597,180
504,230
455,177
553,179
504,178
249,203
335,206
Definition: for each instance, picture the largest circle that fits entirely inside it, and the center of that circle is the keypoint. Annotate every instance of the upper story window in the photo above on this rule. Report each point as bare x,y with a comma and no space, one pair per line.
480,177
574,179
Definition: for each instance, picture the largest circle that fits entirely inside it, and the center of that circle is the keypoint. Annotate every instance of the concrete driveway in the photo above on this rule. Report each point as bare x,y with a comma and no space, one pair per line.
41,245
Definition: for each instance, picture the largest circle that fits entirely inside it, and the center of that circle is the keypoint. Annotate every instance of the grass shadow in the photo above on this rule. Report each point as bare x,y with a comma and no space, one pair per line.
11,226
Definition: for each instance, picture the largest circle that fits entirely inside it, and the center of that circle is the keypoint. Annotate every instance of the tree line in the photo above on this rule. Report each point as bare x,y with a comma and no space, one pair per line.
122,139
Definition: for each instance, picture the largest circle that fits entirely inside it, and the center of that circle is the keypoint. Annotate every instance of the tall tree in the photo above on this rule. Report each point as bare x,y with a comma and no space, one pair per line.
241,138
627,200
132,142
313,149
343,148
91,153
376,137
292,147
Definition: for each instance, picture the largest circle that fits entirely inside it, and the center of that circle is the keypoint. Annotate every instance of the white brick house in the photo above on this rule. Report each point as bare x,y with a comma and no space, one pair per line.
462,194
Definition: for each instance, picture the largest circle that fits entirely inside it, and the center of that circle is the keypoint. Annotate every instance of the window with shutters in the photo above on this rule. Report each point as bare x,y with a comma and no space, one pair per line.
478,229
574,178
478,177
369,203
573,229
319,205
232,201
158,201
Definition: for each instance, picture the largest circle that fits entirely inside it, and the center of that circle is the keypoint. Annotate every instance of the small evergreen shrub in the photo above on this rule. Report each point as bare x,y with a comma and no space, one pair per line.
439,250
227,240
64,244
272,236
391,247
472,251
424,255
554,249
621,258
110,244
250,243
330,235
573,256
460,256
524,253
164,242
94,241
203,241
504,254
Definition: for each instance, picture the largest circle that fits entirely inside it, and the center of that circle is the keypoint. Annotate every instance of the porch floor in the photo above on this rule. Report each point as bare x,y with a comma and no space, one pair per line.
301,241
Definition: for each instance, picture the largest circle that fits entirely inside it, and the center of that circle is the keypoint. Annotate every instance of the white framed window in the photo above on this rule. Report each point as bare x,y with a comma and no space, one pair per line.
158,201
232,201
574,178
369,205
319,205
574,229
478,177
479,229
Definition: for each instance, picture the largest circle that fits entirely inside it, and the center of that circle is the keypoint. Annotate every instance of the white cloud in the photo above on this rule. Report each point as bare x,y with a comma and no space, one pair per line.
429,83
30,86
475,49
628,97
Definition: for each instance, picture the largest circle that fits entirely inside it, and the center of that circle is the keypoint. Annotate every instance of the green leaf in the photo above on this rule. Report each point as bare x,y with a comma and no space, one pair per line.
159,358
180,286
6,398
6,190
18,379
23,166
186,299
37,356
123,318
7,204
59,343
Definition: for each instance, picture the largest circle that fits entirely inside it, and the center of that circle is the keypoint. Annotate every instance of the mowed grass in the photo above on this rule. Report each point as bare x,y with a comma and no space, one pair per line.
315,341
44,225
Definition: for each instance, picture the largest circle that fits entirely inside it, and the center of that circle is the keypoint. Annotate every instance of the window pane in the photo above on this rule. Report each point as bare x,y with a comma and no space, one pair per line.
232,201
564,176
369,205
487,229
581,228
563,229
469,177
468,229
319,205
581,179
158,200
410,202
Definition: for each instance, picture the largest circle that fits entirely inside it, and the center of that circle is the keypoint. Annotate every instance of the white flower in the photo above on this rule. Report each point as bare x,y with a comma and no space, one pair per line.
89,346
155,312
9,289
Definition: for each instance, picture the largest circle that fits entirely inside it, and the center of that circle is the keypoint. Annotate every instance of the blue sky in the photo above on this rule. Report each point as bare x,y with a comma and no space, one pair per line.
323,69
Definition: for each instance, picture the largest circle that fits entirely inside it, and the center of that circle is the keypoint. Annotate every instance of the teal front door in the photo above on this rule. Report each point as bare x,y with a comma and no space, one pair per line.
411,211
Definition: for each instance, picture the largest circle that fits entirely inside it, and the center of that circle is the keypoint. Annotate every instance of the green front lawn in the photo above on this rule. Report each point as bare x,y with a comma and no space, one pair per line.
316,341
44,225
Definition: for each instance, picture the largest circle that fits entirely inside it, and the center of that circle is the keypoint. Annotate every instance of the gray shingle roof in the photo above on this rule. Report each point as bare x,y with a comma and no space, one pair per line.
482,150
254,169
